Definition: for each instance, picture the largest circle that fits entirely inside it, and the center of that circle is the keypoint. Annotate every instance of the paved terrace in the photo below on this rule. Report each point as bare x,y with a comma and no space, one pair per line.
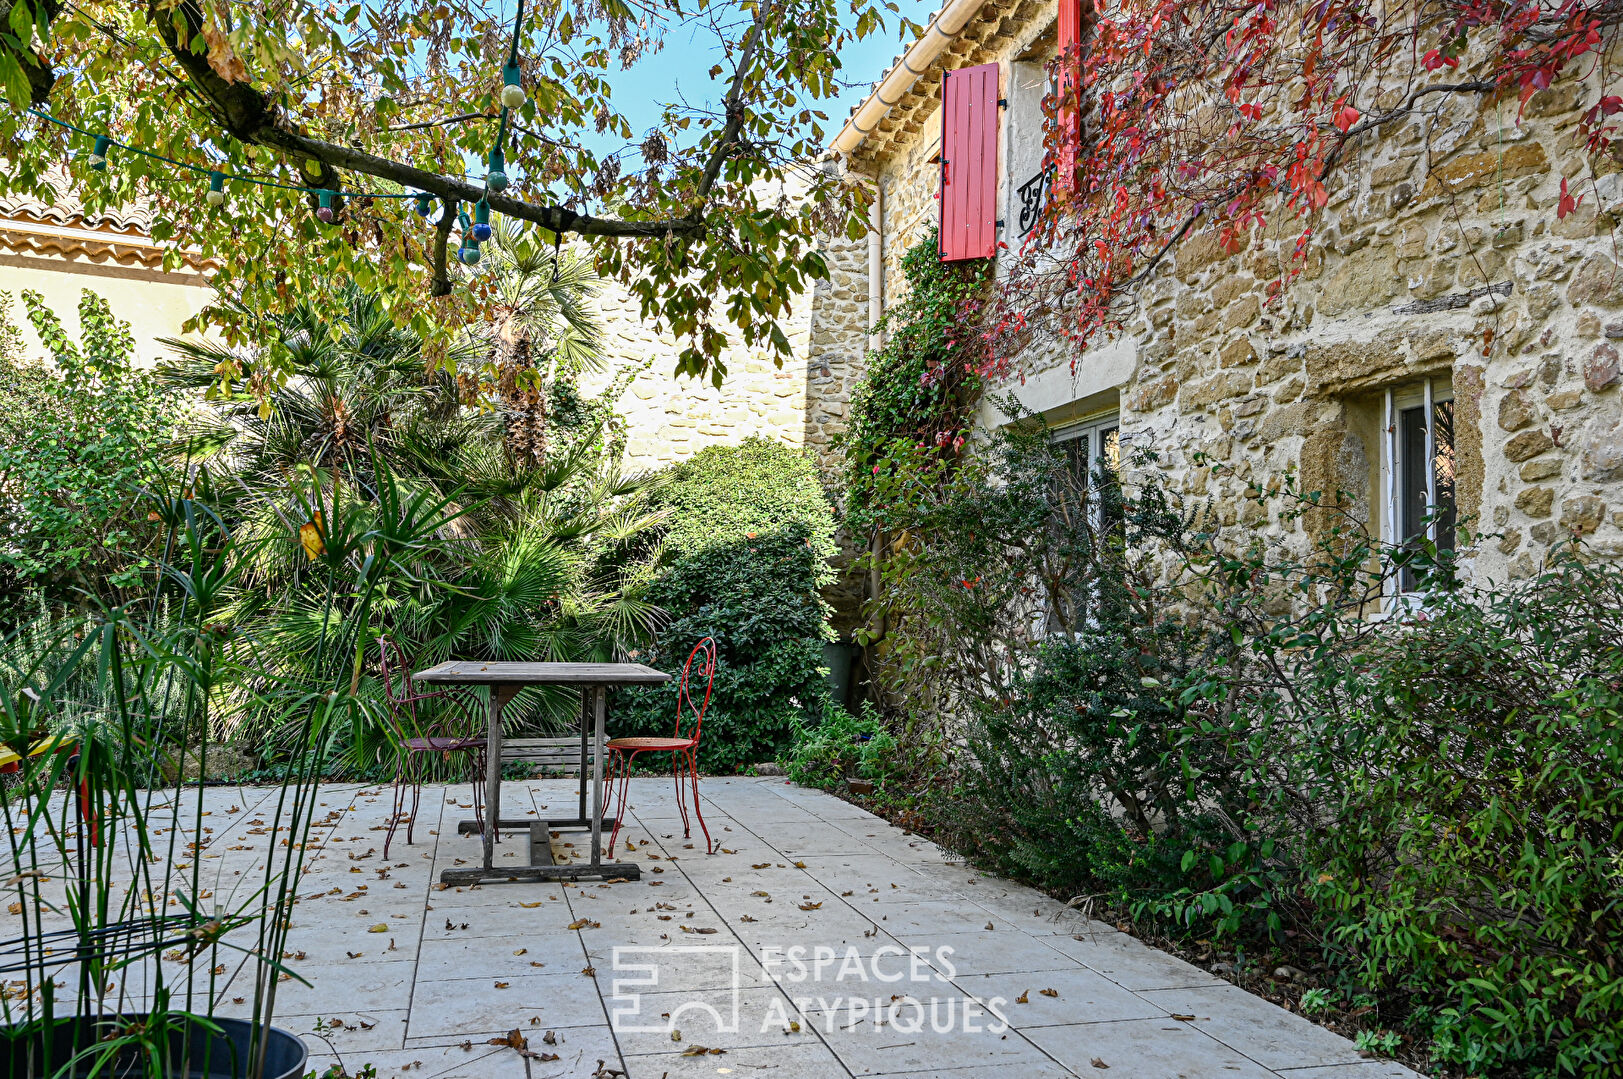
923,960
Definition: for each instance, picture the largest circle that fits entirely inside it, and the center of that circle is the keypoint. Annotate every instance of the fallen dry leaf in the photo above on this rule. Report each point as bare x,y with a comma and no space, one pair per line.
810,906
1097,1063
1023,998
381,927
1049,992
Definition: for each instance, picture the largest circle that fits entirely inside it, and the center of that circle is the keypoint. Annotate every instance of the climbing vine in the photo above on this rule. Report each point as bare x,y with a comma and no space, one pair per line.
915,404
1231,119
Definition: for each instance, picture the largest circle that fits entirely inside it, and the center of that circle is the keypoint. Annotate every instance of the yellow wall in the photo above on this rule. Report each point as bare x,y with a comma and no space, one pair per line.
155,304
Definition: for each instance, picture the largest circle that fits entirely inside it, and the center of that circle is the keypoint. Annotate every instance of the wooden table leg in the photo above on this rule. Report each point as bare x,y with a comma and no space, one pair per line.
601,707
585,733
499,696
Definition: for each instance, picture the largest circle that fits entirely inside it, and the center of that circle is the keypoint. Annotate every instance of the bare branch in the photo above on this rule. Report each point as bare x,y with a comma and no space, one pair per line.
734,104
442,240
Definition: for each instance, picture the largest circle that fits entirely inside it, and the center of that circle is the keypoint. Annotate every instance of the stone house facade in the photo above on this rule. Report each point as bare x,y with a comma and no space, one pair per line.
1446,317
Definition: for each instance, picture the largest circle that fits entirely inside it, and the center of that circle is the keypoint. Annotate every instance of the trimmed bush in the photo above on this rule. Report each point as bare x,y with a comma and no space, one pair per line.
749,544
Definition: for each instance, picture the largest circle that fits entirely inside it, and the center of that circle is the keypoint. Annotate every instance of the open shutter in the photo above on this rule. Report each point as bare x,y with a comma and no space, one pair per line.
969,163
1070,83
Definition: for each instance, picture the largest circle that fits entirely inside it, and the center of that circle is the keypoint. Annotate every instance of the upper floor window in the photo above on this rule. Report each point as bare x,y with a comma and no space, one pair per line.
1043,150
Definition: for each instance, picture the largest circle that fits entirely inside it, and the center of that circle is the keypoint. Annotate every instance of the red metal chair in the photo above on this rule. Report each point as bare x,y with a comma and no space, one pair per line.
684,749
459,735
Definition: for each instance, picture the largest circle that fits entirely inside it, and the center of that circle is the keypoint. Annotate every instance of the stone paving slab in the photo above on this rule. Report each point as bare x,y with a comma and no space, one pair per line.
823,944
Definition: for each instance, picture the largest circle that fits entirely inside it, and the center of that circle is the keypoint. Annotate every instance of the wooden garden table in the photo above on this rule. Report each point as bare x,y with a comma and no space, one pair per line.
505,680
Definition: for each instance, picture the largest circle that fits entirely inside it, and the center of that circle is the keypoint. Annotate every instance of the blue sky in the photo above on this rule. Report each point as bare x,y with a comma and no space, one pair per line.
685,61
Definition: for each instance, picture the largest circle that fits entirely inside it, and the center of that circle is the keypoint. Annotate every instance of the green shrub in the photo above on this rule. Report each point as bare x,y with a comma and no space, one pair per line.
839,746
76,443
750,540
1224,740
1475,862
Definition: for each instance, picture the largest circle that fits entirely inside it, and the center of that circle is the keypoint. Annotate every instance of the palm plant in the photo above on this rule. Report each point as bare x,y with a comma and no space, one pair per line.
546,556
361,387
544,329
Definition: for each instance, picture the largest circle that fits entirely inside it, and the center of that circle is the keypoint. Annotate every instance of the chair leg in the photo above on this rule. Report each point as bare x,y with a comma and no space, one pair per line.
414,765
399,802
681,806
623,762
693,770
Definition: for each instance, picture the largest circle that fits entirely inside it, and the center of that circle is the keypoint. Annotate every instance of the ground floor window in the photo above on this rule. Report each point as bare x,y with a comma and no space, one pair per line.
1086,498
1418,469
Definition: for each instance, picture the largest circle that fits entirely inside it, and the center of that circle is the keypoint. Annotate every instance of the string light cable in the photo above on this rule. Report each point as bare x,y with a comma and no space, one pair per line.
512,97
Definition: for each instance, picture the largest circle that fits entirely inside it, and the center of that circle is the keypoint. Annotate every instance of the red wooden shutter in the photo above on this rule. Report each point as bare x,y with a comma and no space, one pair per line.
969,163
1070,85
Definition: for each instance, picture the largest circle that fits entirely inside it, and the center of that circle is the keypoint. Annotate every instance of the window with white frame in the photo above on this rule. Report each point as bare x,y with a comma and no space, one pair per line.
1085,499
1417,459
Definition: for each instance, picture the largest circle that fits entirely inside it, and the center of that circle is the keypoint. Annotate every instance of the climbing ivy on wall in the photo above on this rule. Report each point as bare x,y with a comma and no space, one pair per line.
1240,122
915,404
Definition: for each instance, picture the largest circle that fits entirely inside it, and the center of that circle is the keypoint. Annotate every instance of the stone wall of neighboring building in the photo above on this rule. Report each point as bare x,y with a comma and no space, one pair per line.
669,419
1439,263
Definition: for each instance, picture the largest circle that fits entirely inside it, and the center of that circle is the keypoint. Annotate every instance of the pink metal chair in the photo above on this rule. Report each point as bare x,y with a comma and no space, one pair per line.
460,735
684,749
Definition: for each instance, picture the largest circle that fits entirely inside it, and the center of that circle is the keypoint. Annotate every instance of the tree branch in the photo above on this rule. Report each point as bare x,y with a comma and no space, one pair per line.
244,112
442,240
1480,86
734,105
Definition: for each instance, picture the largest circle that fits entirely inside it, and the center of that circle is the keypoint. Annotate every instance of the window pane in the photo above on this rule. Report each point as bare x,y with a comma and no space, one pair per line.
1107,480
1411,472
1443,469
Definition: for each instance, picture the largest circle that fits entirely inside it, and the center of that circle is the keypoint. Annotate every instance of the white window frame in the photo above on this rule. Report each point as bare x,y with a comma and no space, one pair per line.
1093,429
1431,391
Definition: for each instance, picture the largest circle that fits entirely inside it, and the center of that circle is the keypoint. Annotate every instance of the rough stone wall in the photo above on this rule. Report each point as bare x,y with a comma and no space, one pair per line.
670,419
837,347
1440,255
835,362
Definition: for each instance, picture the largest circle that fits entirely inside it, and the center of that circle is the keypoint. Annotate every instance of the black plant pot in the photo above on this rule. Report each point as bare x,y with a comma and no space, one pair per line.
188,1050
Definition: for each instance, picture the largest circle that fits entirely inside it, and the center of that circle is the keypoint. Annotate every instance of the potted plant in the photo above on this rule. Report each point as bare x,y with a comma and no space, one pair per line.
125,955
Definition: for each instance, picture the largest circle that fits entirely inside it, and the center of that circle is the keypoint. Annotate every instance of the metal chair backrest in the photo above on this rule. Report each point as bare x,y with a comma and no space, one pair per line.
705,653
392,664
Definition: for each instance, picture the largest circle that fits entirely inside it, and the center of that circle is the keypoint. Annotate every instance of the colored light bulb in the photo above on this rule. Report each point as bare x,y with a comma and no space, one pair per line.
513,95
496,175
